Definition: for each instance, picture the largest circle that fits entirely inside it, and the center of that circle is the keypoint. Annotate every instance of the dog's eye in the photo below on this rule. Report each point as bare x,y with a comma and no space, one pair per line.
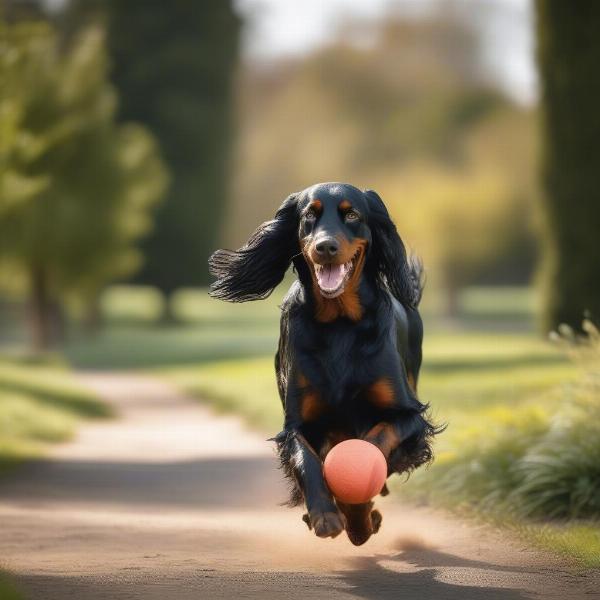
351,215
310,215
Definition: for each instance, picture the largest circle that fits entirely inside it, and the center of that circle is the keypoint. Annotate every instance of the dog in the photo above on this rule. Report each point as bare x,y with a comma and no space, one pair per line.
350,341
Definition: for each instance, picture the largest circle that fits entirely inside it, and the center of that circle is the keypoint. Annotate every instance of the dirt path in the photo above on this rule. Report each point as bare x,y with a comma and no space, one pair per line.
170,502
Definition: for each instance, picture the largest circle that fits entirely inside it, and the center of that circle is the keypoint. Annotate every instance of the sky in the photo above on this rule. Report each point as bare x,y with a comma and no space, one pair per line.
282,28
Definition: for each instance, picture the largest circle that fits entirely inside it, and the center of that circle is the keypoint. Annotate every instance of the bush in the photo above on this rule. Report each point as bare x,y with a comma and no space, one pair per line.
535,460
560,475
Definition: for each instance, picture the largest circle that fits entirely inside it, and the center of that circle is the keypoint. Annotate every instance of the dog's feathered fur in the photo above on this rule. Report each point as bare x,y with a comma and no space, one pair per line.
346,366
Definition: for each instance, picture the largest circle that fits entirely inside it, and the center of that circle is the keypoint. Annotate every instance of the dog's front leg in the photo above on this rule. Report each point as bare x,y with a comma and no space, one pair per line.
323,515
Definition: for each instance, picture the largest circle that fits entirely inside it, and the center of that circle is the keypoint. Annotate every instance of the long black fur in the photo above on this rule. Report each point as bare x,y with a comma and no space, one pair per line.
253,271
389,255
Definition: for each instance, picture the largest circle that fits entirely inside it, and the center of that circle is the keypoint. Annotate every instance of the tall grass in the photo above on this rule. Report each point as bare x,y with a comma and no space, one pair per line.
559,475
539,459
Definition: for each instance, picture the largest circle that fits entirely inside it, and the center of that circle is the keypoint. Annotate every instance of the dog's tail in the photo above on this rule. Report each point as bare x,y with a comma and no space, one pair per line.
416,274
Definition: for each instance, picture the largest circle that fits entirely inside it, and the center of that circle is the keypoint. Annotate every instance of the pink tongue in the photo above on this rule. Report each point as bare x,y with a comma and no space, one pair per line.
330,276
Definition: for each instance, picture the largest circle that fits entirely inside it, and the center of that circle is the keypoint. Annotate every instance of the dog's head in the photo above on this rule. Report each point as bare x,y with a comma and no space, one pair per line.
334,236
334,231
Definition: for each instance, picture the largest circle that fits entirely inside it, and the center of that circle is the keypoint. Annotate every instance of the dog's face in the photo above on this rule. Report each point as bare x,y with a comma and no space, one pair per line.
334,236
336,231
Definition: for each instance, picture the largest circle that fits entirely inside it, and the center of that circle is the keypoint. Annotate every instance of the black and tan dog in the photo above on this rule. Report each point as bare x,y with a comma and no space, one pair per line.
350,345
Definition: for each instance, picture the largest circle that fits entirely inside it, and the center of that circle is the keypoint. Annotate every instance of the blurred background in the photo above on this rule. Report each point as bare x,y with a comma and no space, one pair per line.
137,137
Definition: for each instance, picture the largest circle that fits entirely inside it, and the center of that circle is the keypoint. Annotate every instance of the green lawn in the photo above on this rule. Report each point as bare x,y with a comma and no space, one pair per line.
39,404
207,330
7,590
466,377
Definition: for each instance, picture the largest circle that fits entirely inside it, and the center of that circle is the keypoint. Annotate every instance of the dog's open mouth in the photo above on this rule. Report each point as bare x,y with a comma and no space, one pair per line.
332,279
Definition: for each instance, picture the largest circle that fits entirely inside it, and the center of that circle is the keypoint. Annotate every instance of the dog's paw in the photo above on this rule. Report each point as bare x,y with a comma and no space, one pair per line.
376,519
326,524
306,519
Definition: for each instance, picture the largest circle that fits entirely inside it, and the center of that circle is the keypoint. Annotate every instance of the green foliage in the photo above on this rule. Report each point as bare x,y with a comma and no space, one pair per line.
76,189
173,65
538,459
7,590
39,404
568,55
560,474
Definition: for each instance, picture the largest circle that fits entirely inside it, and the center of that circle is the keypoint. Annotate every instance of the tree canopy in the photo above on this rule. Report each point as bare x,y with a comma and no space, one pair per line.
173,66
76,188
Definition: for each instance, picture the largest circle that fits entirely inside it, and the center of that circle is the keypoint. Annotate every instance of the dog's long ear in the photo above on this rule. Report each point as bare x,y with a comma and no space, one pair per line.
389,255
252,272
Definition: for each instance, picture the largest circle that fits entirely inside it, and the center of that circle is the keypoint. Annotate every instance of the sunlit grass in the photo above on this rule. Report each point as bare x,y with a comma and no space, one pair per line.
246,387
7,589
39,404
578,541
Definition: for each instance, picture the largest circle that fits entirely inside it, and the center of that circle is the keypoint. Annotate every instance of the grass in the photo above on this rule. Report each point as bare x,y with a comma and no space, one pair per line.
7,590
466,376
578,542
39,404
207,330
244,386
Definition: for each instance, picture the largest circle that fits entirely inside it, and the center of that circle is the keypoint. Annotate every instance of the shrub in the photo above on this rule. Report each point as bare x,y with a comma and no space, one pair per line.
536,460
560,475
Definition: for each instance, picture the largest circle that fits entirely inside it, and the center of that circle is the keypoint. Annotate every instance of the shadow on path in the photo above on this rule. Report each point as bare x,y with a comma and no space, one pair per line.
205,483
370,580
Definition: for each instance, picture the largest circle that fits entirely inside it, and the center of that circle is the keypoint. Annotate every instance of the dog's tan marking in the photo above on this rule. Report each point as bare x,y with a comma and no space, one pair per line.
381,393
311,405
316,205
385,437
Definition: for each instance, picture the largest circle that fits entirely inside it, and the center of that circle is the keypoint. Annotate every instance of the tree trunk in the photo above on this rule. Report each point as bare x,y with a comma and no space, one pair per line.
568,53
92,318
168,316
39,310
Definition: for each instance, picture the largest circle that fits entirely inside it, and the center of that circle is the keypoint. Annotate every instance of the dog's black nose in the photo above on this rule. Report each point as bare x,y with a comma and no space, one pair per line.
327,247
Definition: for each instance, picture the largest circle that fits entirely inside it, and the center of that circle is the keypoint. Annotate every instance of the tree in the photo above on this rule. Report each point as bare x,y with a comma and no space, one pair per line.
568,53
76,188
173,65
413,116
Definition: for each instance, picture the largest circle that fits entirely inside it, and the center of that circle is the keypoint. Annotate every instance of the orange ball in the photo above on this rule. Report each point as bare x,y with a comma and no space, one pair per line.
355,471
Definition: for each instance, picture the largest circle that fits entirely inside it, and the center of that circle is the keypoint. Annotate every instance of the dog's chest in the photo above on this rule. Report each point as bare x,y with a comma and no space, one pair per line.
341,361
